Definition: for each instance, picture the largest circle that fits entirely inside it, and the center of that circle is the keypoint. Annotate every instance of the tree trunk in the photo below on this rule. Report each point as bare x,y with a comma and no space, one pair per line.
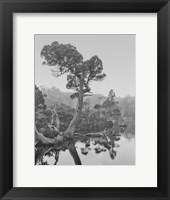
71,127
73,152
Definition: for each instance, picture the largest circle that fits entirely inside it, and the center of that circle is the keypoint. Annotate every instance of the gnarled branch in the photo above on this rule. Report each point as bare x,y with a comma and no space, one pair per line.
45,140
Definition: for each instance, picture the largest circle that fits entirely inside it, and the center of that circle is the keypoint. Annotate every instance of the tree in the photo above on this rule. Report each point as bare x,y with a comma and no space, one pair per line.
111,95
104,121
110,101
64,58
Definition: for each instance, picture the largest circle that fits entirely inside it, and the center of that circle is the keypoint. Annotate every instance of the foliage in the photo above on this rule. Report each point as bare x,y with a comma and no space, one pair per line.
43,116
100,117
64,58
39,99
94,119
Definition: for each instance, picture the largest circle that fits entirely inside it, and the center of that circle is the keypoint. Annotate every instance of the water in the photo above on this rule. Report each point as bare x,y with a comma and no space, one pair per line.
123,153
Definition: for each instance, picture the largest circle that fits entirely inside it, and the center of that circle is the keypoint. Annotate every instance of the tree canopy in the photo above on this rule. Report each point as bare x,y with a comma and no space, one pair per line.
65,58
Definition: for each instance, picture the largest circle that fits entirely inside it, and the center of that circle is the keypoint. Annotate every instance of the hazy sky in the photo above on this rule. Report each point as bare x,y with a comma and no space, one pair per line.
117,53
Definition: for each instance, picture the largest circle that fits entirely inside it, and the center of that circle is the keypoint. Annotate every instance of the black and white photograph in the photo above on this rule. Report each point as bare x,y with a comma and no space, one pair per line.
84,88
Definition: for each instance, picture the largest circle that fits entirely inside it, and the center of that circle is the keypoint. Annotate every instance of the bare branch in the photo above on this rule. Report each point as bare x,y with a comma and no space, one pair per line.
88,95
42,153
55,118
56,156
45,140
57,74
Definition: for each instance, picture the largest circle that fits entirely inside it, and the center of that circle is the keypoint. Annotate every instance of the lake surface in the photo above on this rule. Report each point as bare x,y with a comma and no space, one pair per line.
123,153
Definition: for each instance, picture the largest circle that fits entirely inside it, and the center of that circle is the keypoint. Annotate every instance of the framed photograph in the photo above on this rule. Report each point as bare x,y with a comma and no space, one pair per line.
84,99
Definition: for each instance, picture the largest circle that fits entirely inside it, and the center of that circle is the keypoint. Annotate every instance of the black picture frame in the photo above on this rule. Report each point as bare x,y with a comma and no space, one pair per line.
7,8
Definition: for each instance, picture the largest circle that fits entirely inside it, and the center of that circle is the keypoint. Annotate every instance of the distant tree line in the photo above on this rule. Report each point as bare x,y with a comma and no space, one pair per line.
92,119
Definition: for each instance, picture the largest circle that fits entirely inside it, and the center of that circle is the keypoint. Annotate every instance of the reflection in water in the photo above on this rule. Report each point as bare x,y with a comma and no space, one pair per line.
95,150
85,136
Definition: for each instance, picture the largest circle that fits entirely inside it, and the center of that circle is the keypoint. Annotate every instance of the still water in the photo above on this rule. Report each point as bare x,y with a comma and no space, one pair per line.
123,153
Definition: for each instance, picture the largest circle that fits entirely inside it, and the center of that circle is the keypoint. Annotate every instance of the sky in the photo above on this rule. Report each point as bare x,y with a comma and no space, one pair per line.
117,53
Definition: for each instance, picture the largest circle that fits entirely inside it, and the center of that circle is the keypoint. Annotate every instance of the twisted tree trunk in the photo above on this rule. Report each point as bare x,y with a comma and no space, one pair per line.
72,125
